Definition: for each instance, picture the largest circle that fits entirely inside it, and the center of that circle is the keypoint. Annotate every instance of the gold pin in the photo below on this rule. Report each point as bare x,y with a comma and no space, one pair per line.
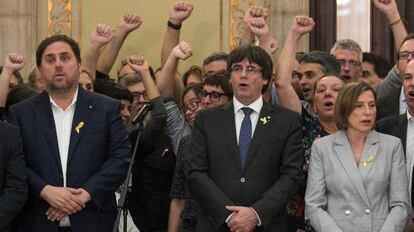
79,126
369,159
265,120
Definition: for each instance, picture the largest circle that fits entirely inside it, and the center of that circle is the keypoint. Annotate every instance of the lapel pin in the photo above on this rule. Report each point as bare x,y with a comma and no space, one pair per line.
79,126
369,159
90,107
265,119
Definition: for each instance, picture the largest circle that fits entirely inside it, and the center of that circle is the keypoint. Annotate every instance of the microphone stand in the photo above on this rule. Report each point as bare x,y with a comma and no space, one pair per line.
139,118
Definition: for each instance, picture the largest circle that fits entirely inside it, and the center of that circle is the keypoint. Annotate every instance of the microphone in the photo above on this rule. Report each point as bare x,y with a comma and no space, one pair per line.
142,113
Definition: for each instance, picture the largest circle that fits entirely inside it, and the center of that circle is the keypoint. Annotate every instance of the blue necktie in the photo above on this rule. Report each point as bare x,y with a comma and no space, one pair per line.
245,135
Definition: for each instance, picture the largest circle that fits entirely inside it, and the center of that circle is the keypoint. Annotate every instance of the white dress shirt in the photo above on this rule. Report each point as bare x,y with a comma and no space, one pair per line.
256,106
403,102
63,123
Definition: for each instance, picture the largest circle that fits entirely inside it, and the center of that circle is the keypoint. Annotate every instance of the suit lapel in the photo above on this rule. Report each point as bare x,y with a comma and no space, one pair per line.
260,131
229,133
402,130
46,122
83,111
369,154
344,154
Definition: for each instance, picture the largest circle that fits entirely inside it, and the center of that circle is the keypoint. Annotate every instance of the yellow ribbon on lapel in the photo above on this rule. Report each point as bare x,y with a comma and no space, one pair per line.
79,126
369,159
265,120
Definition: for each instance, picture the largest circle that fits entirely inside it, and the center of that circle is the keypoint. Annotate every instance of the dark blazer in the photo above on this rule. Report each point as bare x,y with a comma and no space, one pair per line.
13,186
97,159
268,180
394,125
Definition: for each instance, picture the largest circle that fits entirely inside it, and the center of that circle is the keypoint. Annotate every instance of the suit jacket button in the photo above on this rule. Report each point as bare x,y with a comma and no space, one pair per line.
347,212
242,180
367,211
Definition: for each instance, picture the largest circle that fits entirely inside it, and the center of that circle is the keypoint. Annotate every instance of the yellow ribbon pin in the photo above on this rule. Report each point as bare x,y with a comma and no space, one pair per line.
79,126
265,120
369,159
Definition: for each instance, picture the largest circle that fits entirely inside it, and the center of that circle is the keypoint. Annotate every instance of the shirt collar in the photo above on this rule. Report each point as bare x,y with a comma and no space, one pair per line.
409,116
256,106
402,96
75,97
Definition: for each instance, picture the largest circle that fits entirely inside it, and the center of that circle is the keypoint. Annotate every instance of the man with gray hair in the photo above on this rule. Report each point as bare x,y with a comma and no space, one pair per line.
349,55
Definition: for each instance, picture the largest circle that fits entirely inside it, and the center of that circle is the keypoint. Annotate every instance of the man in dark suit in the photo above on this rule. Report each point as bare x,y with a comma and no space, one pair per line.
390,100
402,126
246,156
13,186
75,145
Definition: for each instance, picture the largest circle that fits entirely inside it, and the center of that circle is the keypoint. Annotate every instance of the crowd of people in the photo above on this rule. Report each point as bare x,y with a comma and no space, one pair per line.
311,141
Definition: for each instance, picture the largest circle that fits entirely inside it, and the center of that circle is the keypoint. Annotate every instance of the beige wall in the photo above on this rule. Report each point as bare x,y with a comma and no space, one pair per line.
200,30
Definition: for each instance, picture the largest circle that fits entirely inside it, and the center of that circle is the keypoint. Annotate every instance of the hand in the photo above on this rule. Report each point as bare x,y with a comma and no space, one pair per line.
182,51
255,12
410,226
62,198
138,64
129,22
259,27
101,35
180,11
13,62
54,214
387,7
243,219
302,25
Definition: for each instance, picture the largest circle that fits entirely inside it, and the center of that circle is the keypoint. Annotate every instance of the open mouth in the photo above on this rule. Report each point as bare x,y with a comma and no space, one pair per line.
366,121
346,77
328,104
305,90
411,93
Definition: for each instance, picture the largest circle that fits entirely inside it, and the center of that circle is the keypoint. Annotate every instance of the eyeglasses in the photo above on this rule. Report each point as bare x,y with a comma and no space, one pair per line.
214,96
405,54
137,95
248,69
350,63
192,105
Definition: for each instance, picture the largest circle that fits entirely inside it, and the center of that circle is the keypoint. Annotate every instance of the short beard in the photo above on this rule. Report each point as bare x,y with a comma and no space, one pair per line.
57,90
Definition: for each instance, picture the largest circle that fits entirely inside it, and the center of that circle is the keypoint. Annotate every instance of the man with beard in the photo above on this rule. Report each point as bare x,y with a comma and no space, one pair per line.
76,148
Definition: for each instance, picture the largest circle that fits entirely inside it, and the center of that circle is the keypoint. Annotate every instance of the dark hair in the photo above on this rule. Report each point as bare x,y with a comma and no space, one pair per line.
215,57
57,38
197,88
345,102
381,65
220,79
117,93
16,74
129,79
253,54
410,36
299,56
329,64
19,93
195,70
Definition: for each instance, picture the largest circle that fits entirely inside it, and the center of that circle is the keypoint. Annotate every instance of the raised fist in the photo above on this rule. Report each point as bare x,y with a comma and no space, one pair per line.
387,7
255,12
182,51
259,27
138,63
302,25
102,34
180,11
13,62
130,22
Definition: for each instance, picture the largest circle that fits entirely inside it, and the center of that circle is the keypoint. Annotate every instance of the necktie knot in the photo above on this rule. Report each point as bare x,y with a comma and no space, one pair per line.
247,111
